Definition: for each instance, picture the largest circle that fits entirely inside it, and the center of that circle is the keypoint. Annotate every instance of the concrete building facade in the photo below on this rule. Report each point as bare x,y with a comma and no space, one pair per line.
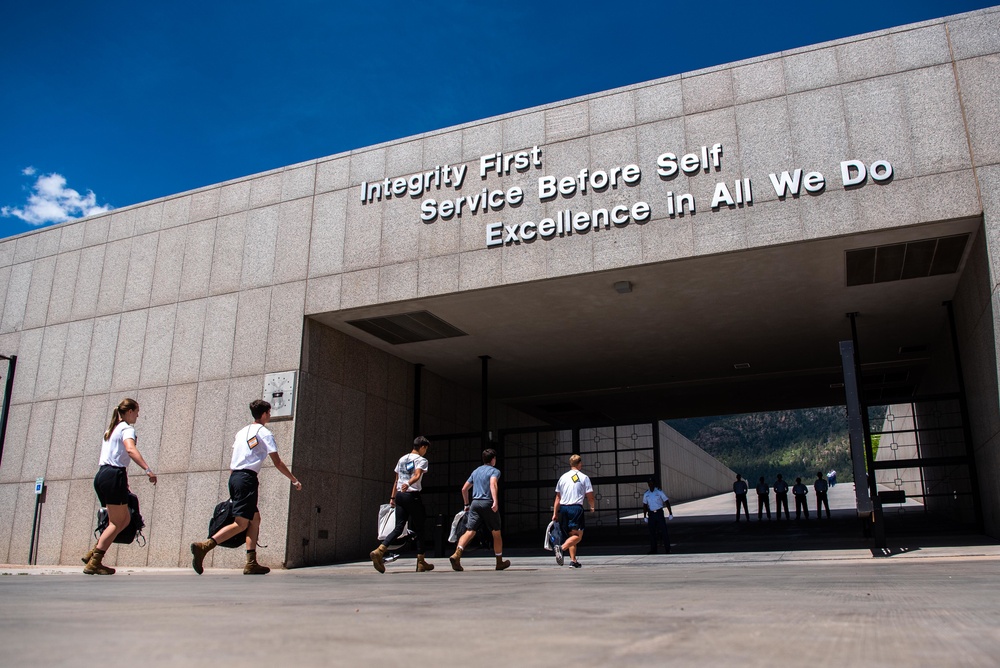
686,246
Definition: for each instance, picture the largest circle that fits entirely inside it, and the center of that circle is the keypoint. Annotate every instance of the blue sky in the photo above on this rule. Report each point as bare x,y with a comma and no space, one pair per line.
112,103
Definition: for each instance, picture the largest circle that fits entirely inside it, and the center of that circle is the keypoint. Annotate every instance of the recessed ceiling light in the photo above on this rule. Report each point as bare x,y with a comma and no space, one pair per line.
742,365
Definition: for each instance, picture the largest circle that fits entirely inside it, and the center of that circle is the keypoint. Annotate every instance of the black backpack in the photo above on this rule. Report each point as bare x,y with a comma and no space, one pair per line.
223,517
129,534
483,538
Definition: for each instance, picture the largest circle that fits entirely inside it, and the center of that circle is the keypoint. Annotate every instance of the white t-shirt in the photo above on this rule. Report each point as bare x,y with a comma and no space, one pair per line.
113,450
406,467
573,487
655,499
251,447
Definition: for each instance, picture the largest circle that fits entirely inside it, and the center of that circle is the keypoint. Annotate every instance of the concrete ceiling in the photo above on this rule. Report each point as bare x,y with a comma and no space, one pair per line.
573,350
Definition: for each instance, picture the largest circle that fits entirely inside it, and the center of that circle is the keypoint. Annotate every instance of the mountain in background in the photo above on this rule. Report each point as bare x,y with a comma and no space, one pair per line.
794,443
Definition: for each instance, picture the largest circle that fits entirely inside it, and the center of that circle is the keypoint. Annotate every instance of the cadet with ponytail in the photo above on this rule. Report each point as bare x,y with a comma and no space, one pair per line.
111,481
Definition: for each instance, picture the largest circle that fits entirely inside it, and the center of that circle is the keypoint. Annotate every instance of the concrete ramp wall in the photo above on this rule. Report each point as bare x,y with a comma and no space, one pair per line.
688,472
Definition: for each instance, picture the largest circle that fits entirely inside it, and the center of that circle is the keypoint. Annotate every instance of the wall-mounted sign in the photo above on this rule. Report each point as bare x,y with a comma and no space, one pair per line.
279,391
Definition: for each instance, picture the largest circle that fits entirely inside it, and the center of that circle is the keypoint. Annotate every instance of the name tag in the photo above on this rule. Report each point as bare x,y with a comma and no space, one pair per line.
575,478
252,442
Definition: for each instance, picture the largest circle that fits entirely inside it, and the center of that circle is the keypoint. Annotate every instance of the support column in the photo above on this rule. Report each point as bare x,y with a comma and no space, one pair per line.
970,451
877,519
484,429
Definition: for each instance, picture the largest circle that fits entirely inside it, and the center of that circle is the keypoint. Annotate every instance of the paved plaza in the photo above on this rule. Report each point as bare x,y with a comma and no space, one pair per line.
834,604
932,607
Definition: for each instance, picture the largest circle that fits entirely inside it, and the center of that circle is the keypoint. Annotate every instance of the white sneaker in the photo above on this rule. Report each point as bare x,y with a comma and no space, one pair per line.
559,554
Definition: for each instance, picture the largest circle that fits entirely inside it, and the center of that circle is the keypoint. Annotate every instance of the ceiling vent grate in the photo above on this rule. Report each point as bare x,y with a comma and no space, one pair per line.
913,259
563,407
881,378
407,327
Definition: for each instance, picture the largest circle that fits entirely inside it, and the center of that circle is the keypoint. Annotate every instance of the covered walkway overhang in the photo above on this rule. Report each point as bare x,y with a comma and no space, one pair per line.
739,332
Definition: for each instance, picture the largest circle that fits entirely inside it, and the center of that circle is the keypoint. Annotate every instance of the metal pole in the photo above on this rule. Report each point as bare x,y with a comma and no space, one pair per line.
977,505
657,458
856,430
34,528
877,517
485,387
417,368
12,364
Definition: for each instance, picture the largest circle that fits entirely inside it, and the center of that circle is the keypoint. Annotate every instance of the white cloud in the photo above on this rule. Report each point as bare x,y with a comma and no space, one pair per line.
51,201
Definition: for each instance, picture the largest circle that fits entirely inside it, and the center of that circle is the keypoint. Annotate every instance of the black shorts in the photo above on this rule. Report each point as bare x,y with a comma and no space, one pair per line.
111,485
481,512
243,486
571,518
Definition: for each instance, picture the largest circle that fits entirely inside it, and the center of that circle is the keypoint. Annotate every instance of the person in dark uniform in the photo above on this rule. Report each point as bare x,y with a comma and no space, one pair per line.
740,490
252,445
111,481
405,498
484,509
653,502
781,496
763,499
821,488
801,494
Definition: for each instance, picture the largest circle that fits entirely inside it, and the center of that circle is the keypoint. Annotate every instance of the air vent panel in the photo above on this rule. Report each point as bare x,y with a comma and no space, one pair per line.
407,327
913,259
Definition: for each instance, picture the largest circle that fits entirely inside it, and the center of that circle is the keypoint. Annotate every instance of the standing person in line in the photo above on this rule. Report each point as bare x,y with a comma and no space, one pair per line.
405,498
740,490
252,445
485,508
763,499
572,488
821,488
653,502
111,481
781,496
801,494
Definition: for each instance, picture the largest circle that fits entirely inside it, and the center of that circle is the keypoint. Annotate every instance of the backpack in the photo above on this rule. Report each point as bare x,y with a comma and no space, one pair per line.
129,534
223,516
457,527
483,538
386,524
553,536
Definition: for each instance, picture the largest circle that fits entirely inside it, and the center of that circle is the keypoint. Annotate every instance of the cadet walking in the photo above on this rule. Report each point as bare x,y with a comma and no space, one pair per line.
252,445
405,497
484,509
573,487
111,481
653,502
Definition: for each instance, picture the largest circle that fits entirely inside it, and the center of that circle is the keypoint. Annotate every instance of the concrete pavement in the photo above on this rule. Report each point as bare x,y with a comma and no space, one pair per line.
749,594
920,607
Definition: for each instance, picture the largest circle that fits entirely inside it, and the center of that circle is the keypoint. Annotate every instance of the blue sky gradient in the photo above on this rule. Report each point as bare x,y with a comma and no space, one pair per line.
133,101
